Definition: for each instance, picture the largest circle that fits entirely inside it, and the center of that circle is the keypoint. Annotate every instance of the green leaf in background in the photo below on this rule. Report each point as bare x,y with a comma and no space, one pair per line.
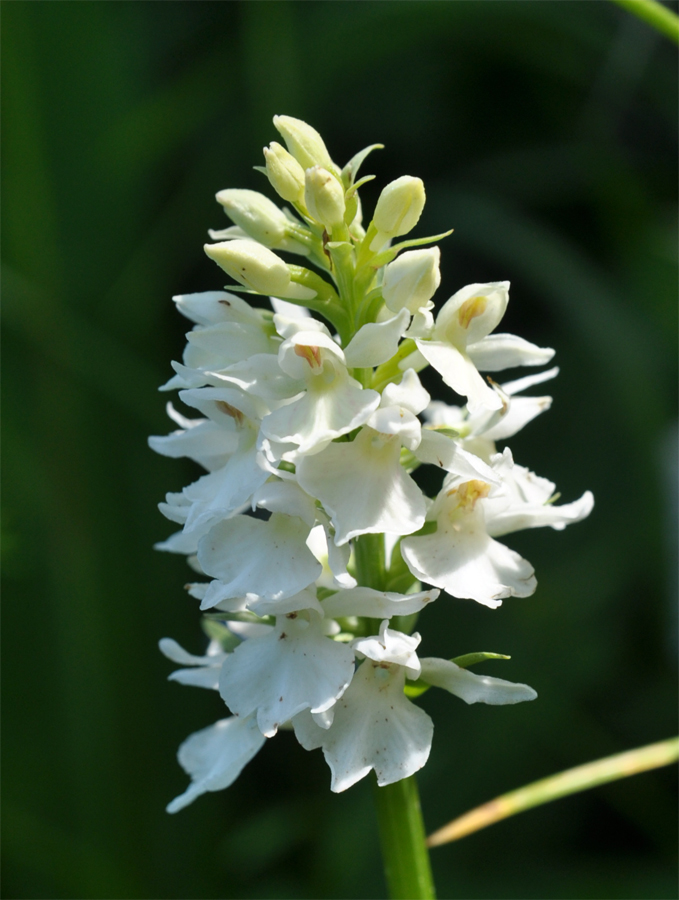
582,778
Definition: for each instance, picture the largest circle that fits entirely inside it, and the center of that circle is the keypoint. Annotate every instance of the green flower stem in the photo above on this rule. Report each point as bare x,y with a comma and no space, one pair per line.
654,14
406,859
370,564
407,869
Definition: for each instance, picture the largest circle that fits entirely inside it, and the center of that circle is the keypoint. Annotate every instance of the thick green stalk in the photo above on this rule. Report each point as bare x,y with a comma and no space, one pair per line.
407,869
406,859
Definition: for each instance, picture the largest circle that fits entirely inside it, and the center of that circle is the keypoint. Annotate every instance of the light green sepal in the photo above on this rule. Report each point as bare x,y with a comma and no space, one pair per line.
415,689
350,171
386,256
217,631
471,659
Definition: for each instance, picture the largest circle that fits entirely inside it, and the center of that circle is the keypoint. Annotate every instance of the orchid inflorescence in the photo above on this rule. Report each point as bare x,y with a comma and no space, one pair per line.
314,535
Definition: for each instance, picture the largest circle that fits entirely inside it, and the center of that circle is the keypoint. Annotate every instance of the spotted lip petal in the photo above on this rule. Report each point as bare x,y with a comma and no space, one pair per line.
294,667
374,727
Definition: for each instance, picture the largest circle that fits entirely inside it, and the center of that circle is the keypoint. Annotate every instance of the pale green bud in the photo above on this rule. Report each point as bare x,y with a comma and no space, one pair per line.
256,215
285,173
304,142
324,197
411,280
398,209
252,265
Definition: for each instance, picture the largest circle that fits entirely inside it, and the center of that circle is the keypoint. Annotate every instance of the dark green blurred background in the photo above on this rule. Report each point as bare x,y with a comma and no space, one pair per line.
545,133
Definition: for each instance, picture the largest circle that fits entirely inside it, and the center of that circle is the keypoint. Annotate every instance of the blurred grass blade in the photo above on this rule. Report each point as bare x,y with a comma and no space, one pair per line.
654,14
581,778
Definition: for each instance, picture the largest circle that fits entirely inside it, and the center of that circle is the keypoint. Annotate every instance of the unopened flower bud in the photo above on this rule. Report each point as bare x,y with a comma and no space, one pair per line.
304,142
252,265
324,197
285,173
411,280
256,215
398,209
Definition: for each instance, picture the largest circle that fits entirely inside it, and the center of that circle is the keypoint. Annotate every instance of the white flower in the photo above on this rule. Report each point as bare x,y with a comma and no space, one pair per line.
227,489
374,726
361,483
461,343
333,403
304,460
461,557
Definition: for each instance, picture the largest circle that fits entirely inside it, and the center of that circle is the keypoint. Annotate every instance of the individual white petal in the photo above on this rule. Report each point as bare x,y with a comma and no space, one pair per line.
520,412
469,564
308,731
295,667
408,393
503,351
395,420
179,542
286,497
218,596
375,727
363,487
215,757
363,601
207,443
205,677
248,630
443,415
334,559
288,325
176,507
270,559
376,342
473,688
289,310
209,307
174,651
262,376
226,343
224,405
422,325
446,453
522,384
459,373
305,599
391,646
533,516
185,377
222,493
